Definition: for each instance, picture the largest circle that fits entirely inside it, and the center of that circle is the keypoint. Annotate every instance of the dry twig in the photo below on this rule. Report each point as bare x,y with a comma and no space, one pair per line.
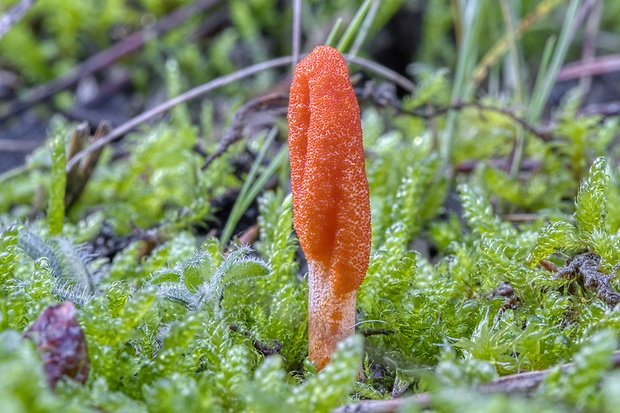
274,101
222,81
585,268
14,15
79,175
521,383
107,57
431,113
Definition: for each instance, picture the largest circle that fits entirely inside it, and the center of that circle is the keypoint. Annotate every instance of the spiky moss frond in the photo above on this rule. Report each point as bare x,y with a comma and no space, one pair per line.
500,251
272,391
416,199
23,385
233,376
214,341
496,339
386,297
198,285
111,322
269,389
178,393
480,216
500,262
8,258
591,211
580,386
586,138
28,297
591,203
277,242
590,231
453,370
69,264
332,386
175,347
558,236
56,208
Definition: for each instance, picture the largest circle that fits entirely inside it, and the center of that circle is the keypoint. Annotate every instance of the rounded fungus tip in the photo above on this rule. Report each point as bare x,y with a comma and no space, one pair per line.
331,201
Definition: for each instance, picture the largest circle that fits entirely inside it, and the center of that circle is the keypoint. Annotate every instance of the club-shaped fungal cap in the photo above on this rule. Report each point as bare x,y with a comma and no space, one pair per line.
330,191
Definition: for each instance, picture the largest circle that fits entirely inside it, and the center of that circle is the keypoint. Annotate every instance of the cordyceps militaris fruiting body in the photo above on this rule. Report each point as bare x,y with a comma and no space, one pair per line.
331,203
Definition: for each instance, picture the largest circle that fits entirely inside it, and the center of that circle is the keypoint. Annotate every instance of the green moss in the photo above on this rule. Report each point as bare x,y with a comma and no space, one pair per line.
475,272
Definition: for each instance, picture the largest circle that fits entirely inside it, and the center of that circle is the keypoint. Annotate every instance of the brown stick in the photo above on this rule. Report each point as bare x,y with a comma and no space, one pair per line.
11,145
521,383
432,113
105,58
597,66
235,132
219,82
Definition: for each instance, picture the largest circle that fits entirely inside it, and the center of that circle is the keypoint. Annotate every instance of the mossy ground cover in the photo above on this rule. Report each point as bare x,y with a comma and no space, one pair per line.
495,230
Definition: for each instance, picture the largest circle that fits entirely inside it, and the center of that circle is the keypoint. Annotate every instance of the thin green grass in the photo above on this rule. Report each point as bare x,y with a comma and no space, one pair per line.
461,89
353,30
252,184
542,88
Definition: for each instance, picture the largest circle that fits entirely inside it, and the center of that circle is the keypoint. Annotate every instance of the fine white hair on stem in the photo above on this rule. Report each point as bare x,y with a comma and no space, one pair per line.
198,91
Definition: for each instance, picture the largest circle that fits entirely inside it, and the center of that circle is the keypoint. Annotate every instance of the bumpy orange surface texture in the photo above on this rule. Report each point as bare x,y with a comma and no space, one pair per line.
330,191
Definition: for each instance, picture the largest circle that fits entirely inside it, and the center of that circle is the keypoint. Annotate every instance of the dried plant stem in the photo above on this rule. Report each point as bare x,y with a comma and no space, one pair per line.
107,57
14,15
296,36
434,112
521,383
183,97
222,81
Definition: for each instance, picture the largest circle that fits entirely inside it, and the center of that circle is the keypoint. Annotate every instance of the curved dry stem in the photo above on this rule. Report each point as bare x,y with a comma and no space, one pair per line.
382,71
184,97
198,91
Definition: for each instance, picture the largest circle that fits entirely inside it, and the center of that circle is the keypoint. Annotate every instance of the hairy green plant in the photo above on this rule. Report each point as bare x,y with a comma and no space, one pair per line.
69,264
197,283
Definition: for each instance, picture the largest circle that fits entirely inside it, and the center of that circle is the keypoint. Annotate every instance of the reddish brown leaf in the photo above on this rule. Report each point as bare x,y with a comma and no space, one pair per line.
61,343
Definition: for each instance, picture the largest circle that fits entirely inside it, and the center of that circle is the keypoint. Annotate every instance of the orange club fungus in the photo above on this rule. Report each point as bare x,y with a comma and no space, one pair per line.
331,204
